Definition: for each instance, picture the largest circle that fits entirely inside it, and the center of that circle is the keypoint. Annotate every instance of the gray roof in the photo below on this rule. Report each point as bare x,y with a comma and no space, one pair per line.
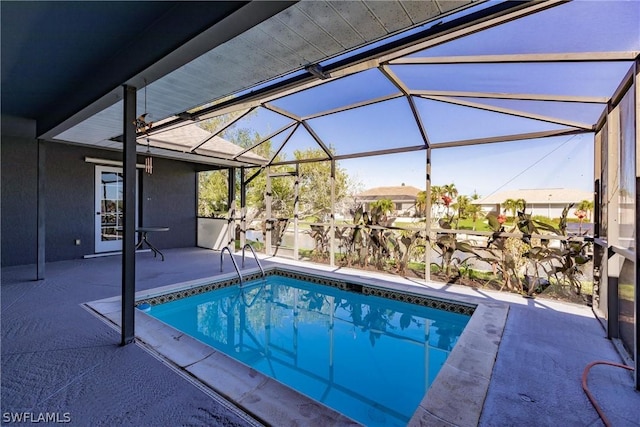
399,192
186,138
538,195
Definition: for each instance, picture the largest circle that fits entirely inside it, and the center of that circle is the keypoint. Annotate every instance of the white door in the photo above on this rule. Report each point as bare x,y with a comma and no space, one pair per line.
109,208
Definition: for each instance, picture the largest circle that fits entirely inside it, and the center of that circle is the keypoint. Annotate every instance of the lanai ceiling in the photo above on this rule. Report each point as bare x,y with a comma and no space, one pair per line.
317,74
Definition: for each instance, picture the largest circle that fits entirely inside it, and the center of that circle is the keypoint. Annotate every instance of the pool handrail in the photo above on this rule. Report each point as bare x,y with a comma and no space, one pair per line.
254,255
235,264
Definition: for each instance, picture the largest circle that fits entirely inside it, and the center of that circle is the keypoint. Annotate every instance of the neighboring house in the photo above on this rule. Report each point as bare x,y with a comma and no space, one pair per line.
548,202
403,197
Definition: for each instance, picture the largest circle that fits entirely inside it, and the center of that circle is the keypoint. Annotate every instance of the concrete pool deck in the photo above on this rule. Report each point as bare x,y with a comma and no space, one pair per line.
57,357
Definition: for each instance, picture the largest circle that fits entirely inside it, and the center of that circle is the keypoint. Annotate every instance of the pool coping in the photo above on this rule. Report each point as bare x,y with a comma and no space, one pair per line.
455,398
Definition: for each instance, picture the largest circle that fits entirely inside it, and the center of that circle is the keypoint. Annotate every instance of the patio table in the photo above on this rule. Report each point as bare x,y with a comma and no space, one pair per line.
144,231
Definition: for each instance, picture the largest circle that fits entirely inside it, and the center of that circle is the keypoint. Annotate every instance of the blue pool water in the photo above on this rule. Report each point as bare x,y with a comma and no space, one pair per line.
370,358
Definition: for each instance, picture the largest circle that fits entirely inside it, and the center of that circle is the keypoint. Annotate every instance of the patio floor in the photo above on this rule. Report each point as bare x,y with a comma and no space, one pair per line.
59,358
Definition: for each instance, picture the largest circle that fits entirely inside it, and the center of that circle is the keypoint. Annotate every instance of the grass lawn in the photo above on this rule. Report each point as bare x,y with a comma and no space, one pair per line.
481,224
468,224
625,292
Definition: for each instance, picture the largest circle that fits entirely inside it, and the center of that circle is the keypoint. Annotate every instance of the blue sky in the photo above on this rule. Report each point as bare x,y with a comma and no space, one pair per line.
561,162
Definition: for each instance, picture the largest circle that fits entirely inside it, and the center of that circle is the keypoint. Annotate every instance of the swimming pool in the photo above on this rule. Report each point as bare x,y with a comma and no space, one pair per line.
368,357
456,395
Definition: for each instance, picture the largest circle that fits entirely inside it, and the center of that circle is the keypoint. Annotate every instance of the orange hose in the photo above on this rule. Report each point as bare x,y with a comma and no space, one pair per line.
588,393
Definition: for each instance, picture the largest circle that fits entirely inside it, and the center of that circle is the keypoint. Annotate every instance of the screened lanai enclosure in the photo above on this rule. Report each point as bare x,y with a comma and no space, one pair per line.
323,85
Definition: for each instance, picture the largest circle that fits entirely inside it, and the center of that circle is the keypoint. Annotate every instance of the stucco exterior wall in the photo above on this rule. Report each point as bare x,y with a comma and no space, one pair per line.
166,198
69,200
18,204
169,199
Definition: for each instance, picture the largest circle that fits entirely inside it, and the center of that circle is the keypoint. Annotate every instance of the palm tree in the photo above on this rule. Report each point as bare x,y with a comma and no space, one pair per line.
421,203
462,205
450,190
587,206
436,196
385,205
509,205
514,205
474,210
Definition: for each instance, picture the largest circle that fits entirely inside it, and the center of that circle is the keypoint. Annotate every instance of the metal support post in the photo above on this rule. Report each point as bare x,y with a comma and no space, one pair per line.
636,356
332,227
427,220
613,329
614,264
268,224
41,211
231,214
129,229
243,209
296,207
636,350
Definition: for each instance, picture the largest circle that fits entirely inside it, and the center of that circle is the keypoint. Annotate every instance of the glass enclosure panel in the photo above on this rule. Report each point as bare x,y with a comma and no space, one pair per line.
575,111
490,169
449,122
370,84
626,303
595,26
379,126
301,145
282,198
213,192
392,170
270,147
627,219
627,173
261,121
567,78
604,183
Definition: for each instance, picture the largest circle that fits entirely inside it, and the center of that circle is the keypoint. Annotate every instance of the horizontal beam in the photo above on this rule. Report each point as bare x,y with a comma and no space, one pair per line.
397,150
517,96
356,155
626,253
519,58
108,162
467,232
281,174
509,138
194,158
